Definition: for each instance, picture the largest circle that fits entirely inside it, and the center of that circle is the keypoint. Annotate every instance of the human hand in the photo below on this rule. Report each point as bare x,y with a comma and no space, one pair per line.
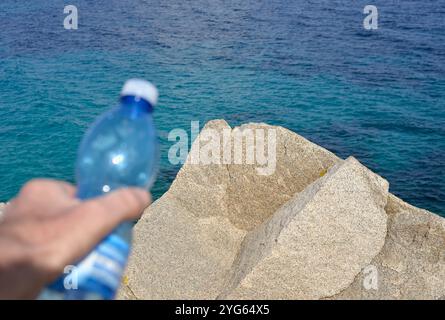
46,228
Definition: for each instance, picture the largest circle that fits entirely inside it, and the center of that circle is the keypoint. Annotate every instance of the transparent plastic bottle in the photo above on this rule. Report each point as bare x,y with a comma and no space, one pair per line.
119,150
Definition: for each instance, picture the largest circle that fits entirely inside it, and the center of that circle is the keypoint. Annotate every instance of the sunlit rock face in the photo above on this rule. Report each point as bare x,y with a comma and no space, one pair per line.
317,227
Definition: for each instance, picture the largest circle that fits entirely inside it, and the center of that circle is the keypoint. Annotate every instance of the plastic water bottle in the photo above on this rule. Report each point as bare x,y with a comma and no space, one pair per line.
119,150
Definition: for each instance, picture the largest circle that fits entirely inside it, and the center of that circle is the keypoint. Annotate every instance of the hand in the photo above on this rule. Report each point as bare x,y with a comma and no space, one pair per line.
45,228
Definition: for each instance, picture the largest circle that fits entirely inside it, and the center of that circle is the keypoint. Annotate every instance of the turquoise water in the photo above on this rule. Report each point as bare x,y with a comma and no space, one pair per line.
306,65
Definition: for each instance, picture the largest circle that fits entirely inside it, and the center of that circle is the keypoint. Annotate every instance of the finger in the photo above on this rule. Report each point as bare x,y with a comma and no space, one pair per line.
40,187
59,194
125,203
87,224
62,189
41,198
66,188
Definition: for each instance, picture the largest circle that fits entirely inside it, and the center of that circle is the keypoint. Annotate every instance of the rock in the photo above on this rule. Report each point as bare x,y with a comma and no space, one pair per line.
317,227
125,293
411,265
2,209
315,245
237,191
187,241
179,255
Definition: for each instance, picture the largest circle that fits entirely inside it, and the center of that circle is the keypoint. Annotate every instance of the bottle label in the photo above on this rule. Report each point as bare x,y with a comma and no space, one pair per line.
102,269
98,275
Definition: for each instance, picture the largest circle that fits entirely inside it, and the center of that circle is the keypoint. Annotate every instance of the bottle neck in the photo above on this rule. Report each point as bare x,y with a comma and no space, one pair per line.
136,104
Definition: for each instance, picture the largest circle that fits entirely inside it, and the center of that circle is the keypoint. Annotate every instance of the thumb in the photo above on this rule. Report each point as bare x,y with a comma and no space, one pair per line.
123,204
88,223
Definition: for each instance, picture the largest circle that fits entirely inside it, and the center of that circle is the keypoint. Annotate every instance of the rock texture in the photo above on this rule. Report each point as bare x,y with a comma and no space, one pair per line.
237,191
411,265
2,208
317,228
187,241
316,244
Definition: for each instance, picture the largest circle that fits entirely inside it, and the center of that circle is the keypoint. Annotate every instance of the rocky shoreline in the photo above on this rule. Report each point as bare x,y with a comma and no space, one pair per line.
318,228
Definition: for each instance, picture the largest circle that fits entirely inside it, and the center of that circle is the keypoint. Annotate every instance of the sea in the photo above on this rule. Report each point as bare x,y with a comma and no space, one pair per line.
310,66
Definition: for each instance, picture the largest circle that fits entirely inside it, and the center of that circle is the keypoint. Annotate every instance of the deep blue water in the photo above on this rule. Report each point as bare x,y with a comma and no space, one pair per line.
307,65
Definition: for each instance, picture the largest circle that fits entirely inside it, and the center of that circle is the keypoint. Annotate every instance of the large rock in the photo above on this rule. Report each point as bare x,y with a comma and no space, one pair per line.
411,265
187,241
315,245
317,227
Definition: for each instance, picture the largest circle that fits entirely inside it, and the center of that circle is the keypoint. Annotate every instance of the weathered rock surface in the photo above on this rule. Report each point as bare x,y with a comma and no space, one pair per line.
317,228
411,265
2,208
316,244
237,191
187,241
